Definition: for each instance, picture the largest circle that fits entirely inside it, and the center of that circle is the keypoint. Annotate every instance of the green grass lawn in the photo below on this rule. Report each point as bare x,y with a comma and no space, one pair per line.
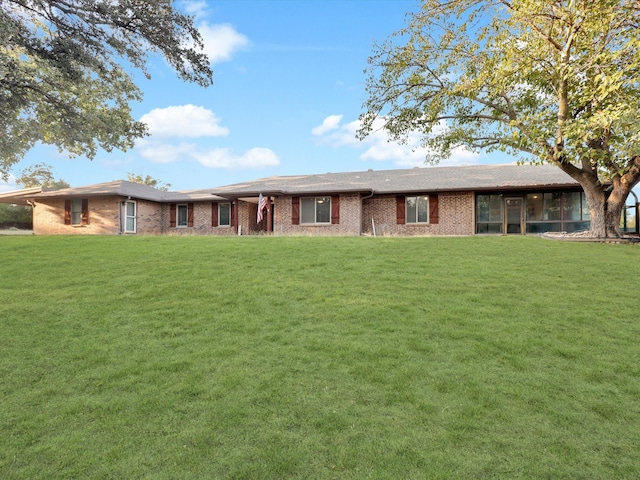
337,358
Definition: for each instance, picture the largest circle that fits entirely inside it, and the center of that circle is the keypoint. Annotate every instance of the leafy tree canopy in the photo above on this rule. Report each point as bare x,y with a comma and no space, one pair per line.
64,65
40,175
553,80
148,180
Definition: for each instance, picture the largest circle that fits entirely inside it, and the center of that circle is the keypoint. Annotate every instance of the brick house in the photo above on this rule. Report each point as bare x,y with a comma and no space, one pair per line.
481,199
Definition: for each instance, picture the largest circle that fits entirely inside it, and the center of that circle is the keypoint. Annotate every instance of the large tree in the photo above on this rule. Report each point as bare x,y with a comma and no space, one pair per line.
40,175
149,181
66,70
553,81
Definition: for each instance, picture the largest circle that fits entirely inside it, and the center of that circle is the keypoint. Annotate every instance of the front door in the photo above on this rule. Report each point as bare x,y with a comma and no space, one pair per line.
513,215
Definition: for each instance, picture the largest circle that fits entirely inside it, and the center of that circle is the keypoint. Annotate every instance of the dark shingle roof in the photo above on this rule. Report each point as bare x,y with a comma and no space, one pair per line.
432,179
124,188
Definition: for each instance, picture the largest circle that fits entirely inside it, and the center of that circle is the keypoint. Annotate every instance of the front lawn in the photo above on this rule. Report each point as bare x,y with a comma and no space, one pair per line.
339,358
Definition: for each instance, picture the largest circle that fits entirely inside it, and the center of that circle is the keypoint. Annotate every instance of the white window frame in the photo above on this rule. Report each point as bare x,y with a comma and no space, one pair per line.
315,210
227,205
127,216
406,209
179,207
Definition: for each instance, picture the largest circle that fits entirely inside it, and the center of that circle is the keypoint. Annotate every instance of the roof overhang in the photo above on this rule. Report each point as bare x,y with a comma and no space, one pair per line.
19,197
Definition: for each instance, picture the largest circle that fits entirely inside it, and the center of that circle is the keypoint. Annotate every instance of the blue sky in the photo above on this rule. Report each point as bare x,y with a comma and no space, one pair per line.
288,90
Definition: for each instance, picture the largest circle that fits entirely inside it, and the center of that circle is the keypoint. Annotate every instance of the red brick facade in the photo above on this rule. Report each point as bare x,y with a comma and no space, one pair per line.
358,215
455,216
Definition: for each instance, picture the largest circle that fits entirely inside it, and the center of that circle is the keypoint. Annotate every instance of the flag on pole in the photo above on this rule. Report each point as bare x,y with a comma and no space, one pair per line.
262,202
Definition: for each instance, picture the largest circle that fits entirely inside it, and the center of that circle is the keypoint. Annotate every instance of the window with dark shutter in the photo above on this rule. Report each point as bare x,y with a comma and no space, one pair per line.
214,214
400,210
295,210
433,209
335,209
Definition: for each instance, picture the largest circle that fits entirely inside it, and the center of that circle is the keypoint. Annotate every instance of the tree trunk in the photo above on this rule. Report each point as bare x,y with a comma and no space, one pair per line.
615,203
597,203
605,208
605,202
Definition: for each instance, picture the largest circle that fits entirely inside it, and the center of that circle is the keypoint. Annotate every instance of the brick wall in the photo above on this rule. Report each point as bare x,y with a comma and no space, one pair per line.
148,218
349,219
202,220
455,216
104,218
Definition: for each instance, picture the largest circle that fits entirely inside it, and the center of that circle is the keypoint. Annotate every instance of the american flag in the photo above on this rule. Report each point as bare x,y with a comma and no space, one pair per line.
262,202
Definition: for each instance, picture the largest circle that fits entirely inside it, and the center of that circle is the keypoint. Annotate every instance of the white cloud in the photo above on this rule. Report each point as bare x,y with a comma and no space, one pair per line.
159,152
221,41
225,158
379,147
197,8
184,121
330,123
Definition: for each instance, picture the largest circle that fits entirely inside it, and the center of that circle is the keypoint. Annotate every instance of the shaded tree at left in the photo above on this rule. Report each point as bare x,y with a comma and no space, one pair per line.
65,70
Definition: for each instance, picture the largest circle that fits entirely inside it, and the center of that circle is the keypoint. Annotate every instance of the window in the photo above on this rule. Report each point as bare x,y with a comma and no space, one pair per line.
182,215
418,209
76,211
130,217
315,210
489,213
556,212
224,214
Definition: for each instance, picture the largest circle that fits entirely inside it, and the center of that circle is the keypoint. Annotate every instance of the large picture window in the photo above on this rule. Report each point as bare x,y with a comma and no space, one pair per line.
556,212
315,210
417,209
489,213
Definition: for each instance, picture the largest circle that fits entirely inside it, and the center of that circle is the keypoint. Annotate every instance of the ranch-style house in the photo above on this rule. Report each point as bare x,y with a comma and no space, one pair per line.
465,200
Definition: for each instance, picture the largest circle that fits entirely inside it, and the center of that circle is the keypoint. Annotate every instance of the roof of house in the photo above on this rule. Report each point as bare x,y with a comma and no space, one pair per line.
19,197
121,188
414,180
431,179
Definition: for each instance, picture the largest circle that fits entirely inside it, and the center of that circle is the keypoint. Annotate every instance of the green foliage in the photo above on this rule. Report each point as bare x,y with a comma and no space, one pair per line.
40,175
386,358
63,78
549,81
19,216
148,180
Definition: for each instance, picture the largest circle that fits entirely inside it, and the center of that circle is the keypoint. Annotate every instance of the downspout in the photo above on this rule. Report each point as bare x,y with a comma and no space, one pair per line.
366,197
